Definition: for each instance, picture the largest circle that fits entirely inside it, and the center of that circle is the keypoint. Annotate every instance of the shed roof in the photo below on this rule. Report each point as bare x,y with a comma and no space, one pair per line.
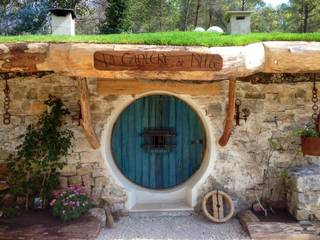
62,12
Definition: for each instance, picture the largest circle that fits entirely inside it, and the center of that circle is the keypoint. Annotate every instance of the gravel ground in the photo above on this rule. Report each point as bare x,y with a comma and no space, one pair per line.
183,227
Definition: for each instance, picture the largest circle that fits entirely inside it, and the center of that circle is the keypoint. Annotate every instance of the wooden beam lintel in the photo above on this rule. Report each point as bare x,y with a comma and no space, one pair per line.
86,114
230,114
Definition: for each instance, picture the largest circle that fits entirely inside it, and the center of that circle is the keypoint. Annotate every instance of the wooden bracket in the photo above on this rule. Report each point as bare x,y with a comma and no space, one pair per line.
85,120
230,114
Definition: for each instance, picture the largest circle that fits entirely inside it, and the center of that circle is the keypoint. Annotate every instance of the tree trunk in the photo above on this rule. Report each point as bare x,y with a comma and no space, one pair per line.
186,10
243,4
197,13
305,17
210,18
160,17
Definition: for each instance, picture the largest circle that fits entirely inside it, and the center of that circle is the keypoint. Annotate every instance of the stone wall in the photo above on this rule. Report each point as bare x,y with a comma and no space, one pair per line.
304,193
259,148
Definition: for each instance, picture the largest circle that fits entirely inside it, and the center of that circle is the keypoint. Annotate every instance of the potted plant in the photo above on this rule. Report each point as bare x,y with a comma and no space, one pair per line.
310,141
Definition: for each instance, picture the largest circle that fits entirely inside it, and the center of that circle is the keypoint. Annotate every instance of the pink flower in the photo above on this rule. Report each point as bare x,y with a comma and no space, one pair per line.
53,202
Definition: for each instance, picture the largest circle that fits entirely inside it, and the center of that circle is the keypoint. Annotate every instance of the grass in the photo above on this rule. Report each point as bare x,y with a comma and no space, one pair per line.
169,38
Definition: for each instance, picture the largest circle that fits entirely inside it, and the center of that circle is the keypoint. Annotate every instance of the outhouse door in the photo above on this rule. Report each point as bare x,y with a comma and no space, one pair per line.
158,142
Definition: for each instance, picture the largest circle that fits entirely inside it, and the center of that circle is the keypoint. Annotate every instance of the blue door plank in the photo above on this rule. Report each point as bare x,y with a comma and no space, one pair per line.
158,169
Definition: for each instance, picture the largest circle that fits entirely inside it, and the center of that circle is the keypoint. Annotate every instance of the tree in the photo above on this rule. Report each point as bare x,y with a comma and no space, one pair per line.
185,12
268,19
115,17
304,12
197,13
31,18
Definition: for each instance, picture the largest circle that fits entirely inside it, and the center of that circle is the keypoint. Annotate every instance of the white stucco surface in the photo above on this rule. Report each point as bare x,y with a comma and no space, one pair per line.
63,25
180,196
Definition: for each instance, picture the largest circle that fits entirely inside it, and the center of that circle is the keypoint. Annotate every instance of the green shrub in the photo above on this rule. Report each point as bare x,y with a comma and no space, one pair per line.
306,132
9,212
33,170
70,203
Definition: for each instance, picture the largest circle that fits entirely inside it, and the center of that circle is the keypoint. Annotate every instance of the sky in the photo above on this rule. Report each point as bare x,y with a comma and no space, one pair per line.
275,2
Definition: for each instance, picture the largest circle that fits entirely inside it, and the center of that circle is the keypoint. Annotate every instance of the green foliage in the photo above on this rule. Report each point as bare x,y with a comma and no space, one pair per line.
9,212
81,7
284,175
159,15
33,170
115,17
303,15
31,18
305,132
70,203
170,38
275,144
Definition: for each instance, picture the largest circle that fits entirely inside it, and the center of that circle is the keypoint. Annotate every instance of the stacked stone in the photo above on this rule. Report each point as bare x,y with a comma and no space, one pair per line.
276,109
303,196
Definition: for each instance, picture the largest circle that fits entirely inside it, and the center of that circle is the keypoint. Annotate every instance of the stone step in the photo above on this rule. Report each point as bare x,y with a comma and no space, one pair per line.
161,210
161,214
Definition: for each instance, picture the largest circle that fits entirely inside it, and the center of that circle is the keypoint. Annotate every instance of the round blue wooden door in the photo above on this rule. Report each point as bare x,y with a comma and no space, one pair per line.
158,142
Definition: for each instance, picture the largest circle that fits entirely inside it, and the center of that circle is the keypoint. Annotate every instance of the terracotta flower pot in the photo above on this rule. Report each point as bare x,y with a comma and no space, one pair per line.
310,146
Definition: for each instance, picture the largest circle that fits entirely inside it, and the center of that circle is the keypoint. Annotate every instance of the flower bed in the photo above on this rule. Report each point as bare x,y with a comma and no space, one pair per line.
70,203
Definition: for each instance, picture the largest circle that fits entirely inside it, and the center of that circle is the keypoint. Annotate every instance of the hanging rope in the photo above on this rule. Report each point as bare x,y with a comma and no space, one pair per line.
6,104
315,107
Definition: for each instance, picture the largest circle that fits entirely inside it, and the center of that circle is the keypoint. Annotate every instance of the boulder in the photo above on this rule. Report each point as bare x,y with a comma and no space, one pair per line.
100,214
215,29
199,29
303,192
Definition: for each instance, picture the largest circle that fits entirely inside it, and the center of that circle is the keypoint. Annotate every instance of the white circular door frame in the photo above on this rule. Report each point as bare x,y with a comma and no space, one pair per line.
187,192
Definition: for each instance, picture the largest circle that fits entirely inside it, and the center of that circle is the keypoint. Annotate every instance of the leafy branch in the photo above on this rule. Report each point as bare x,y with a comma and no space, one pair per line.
33,170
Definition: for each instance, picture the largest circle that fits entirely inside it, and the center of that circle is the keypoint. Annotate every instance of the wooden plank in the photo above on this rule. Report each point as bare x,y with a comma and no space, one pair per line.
230,114
156,61
154,169
86,114
246,217
215,208
128,87
277,230
221,206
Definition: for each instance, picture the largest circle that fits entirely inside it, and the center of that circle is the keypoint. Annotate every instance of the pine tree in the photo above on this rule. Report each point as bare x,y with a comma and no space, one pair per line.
115,17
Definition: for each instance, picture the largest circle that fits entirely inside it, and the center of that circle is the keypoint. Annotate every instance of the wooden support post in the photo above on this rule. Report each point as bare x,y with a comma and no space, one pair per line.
230,114
85,114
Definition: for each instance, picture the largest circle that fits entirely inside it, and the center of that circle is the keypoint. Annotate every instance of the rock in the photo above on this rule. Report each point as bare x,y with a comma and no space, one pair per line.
215,29
87,180
68,170
8,200
90,157
21,200
63,182
98,213
199,29
305,223
100,181
75,180
255,95
110,220
303,193
85,170
3,186
98,172
4,155
37,108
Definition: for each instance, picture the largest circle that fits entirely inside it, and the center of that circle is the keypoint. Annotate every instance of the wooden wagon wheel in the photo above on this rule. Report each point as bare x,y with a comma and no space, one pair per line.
219,201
